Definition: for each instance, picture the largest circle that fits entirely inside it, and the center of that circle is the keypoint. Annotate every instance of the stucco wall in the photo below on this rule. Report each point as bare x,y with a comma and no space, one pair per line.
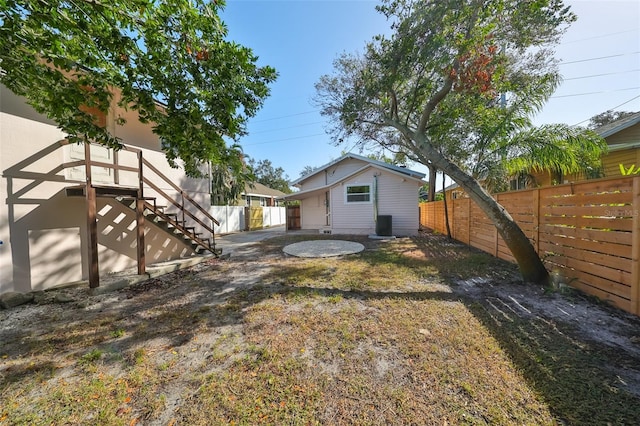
43,231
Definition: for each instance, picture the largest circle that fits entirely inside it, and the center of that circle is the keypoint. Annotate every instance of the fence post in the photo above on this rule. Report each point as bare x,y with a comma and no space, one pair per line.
469,221
635,251
536,220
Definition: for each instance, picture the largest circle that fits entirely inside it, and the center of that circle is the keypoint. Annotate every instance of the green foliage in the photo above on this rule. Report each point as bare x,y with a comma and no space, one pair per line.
228,177
455,87
555,147
91,356
460,80
607,117
632,170
168,61
307,170
273,177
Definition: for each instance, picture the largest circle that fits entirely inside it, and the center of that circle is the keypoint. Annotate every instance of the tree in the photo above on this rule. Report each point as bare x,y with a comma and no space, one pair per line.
273,177
228,177
454,88
168,61
307,170
608,117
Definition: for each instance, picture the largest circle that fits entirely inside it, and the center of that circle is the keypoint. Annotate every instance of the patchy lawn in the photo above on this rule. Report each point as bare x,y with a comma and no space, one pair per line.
411,331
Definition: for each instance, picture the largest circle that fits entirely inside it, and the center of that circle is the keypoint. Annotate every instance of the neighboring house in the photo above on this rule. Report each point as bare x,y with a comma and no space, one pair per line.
59,224
623,140
257,194
348,195
256,208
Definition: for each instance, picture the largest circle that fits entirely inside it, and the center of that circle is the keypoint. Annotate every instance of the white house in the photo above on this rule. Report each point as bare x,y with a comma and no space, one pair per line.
358,195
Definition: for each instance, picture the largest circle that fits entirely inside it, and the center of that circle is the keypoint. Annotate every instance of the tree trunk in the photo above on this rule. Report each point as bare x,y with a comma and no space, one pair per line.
431,196
531,267
446,208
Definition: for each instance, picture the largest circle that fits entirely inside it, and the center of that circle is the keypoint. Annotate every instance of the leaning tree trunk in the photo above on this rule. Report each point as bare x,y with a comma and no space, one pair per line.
446,208
531,267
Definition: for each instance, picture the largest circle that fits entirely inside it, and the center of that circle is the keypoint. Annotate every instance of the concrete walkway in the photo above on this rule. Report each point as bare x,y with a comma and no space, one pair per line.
231,242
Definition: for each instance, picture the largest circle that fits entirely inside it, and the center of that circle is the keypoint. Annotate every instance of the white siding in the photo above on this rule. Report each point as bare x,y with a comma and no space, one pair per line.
343,168
315,181
333,174
397,197
352,218
313,212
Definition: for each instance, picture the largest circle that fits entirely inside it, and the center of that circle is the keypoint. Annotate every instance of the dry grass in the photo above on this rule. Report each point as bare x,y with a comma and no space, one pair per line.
387,336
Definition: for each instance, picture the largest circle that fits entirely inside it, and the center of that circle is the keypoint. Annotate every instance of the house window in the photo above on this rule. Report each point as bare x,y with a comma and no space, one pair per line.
520,182
358,194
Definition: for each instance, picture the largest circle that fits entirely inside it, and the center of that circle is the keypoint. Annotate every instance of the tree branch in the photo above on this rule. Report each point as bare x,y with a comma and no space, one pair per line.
435,100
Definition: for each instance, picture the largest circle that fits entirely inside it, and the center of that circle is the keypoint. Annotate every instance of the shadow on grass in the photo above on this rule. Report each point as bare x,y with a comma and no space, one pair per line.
573,375
569,373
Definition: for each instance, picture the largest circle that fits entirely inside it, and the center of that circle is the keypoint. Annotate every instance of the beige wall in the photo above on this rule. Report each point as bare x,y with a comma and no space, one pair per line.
43,231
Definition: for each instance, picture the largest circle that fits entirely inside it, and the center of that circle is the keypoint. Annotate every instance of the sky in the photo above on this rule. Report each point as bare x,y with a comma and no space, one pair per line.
600,66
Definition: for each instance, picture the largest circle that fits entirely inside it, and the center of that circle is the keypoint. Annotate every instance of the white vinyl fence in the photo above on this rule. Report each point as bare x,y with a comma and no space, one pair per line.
274,216
232,218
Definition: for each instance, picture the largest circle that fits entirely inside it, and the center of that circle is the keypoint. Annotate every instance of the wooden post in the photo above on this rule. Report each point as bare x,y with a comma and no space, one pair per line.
140,244
468,221
536,220
92,222
495,233
635,250
140,249
184,223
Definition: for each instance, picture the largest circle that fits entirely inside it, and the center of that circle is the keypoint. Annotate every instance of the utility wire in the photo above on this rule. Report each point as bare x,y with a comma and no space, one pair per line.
594,93
600,75
598,58
599,36
285,128
610,109
286,116
283,140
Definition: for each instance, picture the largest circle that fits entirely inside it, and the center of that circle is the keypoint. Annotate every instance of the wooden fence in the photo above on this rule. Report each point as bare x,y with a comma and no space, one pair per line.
588,232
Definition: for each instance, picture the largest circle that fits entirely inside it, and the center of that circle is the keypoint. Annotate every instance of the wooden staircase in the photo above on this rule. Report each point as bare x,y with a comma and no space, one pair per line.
154,213
182,222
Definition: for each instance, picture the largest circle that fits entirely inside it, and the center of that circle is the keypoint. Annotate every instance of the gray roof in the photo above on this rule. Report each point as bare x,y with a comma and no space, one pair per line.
398,169
258,189
618,125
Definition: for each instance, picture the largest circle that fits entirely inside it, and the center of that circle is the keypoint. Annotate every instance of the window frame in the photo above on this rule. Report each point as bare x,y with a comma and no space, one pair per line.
347,194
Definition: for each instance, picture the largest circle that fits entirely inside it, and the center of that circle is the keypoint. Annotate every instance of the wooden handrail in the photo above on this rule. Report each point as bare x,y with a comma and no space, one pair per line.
143,179
176,204
177,188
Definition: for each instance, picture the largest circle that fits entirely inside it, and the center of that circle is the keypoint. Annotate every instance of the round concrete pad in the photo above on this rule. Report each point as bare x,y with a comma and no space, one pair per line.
323,248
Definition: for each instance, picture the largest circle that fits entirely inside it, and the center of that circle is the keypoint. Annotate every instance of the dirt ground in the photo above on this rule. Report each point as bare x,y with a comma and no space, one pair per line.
28,333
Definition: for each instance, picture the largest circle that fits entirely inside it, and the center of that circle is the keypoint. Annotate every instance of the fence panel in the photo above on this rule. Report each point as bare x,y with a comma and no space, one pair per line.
587,232
586,235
